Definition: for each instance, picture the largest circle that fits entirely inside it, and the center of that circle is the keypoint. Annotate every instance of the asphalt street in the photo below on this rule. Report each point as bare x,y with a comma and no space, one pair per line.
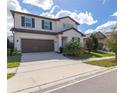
106,83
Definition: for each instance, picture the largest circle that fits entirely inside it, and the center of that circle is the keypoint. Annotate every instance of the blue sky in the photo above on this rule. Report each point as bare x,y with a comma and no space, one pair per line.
91,14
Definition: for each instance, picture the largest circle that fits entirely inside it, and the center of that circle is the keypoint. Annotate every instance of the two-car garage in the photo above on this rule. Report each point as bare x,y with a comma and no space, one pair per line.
36,45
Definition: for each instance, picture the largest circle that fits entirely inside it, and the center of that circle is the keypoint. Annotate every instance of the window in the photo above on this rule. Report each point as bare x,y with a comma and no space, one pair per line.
76,39
67,26
46,25
27,22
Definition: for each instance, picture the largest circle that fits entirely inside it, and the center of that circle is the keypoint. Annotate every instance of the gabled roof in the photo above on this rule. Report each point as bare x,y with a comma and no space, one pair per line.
69,18
28,14
42,32
99,35
54,19
70,29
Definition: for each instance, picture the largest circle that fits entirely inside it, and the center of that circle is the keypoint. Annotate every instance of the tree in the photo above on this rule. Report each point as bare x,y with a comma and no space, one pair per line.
10,47
111,41
92,43
8,43
73,48
89,44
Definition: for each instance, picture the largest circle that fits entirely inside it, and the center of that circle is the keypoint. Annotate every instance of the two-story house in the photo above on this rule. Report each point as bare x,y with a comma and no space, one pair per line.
33,33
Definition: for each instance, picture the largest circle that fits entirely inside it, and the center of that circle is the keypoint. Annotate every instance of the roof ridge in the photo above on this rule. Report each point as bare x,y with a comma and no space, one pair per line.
50,18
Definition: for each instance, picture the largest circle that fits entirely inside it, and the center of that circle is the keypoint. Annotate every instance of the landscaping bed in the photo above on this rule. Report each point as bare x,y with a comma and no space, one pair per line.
103,63
13,61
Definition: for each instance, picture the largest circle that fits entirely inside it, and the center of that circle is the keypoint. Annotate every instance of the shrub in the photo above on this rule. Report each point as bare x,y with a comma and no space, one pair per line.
10,44
14,52
10,48
73,48
8,51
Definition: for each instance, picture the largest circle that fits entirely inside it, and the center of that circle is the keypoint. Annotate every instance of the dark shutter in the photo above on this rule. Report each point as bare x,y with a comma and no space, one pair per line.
33,23
22,20
50,25
42,24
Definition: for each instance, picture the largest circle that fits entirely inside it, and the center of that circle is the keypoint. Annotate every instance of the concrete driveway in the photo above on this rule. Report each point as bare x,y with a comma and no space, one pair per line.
42,56
43,68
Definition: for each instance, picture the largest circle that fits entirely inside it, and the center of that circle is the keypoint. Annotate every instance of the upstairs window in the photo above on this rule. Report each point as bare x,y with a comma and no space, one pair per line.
67,26
27,22
46,25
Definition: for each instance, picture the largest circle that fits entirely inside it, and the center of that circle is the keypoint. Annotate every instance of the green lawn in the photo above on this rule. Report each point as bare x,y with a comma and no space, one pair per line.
92,55
103,63
9,75
101,54
13,61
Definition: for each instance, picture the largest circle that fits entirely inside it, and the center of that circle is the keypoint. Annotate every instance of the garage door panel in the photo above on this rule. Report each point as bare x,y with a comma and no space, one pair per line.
36,45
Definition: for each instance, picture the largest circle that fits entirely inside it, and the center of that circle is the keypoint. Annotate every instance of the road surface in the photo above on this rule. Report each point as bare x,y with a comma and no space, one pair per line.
106,83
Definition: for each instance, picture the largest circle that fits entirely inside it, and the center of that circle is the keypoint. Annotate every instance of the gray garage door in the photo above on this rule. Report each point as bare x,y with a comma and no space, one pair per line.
37,45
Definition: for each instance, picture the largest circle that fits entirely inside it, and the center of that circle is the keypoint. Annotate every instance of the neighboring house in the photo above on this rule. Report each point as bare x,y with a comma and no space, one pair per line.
34,33
101,39
10,38
107,34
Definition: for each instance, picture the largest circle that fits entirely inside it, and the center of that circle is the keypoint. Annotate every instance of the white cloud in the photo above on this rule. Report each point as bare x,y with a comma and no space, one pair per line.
47,14
12,5
55,9
106,27
44,4
82,17
89,31
114,14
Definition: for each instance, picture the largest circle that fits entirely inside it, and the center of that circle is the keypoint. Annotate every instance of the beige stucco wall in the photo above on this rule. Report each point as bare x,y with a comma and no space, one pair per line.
38,25
56,25
19,35
72,33
67,21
